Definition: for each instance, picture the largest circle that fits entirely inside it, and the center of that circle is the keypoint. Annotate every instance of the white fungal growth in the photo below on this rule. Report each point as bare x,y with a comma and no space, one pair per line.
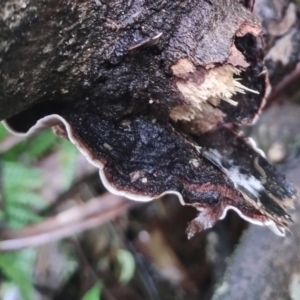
249,182
268,223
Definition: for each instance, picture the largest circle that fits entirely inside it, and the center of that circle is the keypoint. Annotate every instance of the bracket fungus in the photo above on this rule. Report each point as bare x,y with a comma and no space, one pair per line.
146,90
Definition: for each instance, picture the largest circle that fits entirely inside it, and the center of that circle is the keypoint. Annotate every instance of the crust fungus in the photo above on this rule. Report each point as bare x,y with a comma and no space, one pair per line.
144,89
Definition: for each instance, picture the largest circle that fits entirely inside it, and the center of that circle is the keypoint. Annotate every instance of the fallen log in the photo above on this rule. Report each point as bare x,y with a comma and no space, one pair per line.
144,89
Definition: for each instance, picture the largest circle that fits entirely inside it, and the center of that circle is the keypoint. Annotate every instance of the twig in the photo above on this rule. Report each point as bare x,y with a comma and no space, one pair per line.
284,84
9,142
73,221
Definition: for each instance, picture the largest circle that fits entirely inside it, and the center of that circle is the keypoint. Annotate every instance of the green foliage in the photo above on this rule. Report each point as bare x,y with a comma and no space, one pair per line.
16,267
127,265
94,293
40,144
18,185
20,199
21,180
31,149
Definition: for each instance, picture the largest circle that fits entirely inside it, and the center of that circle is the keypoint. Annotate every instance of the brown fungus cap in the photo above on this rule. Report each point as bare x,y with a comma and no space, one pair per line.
143,88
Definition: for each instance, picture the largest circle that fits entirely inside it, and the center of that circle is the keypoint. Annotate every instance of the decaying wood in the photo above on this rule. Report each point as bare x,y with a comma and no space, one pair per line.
264,266
143,89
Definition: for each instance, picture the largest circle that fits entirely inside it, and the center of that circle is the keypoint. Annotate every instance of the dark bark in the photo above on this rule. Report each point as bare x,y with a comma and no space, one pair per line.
54,51
143,89
114,71
264,266
57,51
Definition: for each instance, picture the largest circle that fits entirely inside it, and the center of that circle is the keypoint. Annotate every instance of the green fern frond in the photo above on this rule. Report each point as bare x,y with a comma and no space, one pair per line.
20,183
41,144
27,198
18,176
17,266
32,148
18,216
